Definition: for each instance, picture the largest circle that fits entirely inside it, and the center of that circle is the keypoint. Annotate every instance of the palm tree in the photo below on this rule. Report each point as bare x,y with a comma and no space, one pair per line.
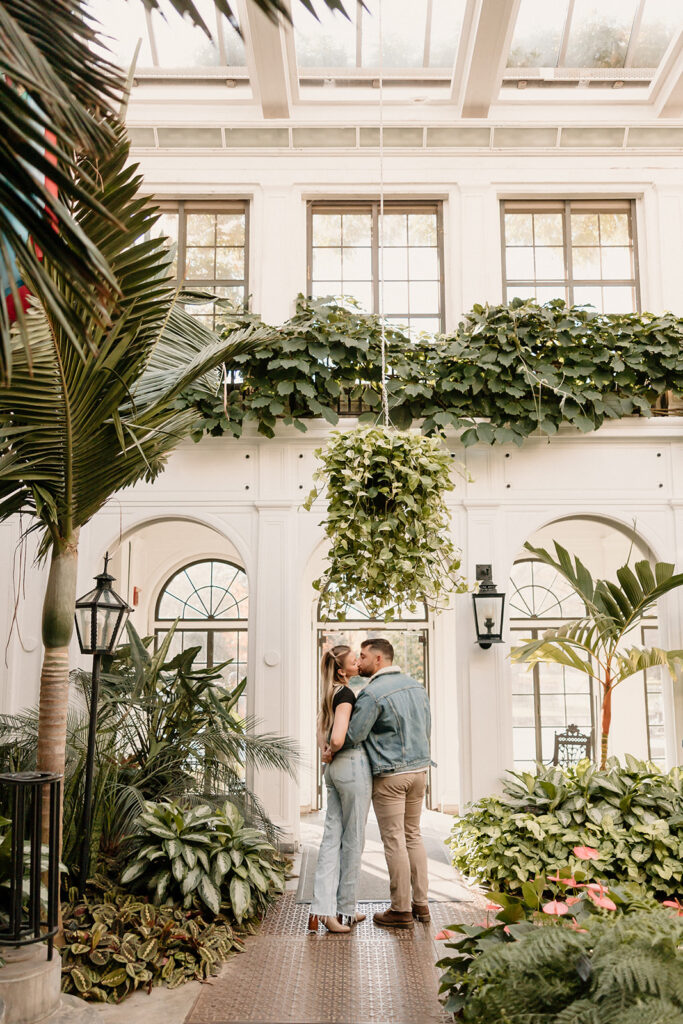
597,643
57,90
74,429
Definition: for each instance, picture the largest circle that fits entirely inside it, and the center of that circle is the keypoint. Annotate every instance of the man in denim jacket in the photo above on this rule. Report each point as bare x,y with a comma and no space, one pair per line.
392,718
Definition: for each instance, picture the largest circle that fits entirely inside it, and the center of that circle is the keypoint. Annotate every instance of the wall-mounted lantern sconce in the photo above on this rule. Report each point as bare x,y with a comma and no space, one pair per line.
488,609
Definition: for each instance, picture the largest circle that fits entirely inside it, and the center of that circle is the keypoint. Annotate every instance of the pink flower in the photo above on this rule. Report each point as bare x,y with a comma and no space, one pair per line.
586,852
676,904
575,927
493,906
603,901
571,900
594,887
445,934
506,929
556,907
563,881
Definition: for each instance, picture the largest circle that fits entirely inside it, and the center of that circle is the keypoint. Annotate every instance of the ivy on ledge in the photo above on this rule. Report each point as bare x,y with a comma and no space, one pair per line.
507,372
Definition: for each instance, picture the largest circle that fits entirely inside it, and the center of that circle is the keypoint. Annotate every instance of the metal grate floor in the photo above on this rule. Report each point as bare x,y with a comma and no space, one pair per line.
370,976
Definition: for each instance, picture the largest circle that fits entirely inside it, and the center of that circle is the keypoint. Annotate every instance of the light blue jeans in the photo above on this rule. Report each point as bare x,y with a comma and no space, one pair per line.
349,791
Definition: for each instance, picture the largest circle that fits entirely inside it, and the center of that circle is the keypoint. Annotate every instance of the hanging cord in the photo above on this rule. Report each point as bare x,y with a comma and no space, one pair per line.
385,397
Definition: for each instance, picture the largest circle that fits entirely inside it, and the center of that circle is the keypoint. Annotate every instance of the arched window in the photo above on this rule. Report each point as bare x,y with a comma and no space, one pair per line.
547,698
211,600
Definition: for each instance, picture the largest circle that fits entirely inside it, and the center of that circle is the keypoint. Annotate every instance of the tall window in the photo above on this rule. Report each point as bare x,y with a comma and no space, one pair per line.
211,600
344,259
654,699
547,698
582,252
211,240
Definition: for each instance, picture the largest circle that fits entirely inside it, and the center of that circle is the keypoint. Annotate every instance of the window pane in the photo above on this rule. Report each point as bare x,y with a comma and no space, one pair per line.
549,263
395,264
600,33
552,710
357,229
180,44
548,229
403,35
614,229
327,264
587,295
586,260
327,229
520,263
200,263
661,20
361,291
424,296
616,262
519,291
396,297
523,711
424,263
554,291
229,262
326,41
519,229
356,262
618,299
585,230
538,33
123,24
323,289
447,18
201,229
524,744
422,228
230,228
395,230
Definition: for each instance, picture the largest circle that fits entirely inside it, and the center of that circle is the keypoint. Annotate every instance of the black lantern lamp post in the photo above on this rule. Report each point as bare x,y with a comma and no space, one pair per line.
26,899
488,609
100,618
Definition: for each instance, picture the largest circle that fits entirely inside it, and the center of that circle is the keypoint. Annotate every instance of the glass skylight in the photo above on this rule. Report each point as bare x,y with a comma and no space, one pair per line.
594,33
415,34
168,41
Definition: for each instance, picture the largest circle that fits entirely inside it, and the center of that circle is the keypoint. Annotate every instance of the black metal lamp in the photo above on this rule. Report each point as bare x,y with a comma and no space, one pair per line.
100,617
30,912
489,605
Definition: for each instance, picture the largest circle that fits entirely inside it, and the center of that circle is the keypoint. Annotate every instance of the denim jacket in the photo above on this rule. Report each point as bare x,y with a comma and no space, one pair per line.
392,718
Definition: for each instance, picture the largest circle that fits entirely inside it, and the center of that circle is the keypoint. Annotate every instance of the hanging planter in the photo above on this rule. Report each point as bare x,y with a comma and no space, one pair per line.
387,521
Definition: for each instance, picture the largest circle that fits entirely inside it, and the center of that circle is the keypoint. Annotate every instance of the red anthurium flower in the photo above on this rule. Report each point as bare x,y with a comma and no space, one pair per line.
493,906
594,887
444,934
571,900
603,901
673,903
586,852
556,907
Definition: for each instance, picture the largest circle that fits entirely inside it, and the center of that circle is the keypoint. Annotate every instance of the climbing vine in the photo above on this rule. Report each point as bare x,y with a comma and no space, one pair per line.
387,521
506,373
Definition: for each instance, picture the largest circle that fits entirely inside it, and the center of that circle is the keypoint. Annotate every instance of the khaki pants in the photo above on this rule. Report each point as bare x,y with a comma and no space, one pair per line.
397,800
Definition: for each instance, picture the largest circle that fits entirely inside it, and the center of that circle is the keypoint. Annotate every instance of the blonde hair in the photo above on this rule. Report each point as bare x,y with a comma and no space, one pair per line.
330,667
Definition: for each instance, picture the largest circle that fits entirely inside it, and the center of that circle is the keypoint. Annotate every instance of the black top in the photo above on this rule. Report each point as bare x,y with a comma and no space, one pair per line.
344,695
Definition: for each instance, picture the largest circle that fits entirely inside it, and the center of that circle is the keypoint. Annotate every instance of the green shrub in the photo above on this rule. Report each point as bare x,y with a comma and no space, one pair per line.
202,856
618,969
116,943
633,814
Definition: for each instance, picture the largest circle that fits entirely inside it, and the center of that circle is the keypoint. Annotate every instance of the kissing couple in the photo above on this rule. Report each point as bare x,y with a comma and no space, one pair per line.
375,746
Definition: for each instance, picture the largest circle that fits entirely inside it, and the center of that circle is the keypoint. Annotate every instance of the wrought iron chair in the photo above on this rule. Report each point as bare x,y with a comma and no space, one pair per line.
572,746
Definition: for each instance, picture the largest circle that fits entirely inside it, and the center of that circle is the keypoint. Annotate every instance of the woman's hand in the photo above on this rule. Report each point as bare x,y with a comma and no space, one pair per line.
327,755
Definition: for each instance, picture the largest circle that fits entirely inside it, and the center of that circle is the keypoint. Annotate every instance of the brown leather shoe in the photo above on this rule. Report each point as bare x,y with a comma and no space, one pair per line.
421,912
394,919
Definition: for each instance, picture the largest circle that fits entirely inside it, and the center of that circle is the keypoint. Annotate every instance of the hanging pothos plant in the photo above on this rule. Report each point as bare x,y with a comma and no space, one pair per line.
387,520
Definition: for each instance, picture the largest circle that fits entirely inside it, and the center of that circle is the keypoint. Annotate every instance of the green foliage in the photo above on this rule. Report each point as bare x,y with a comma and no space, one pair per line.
613,969
387,520
506,373
115,943
165,730
633,814
202,856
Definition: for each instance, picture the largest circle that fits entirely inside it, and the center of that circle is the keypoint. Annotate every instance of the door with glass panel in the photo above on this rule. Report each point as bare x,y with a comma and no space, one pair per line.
408,633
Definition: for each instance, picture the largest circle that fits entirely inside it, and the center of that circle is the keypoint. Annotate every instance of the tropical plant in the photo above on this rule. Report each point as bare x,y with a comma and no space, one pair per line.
74,430
618,969
165,730
203,856
633,814
56,90
506,373
115,943
596,645
387,520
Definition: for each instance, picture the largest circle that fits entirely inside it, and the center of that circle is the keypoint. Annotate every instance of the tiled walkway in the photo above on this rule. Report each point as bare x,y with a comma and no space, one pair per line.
370,976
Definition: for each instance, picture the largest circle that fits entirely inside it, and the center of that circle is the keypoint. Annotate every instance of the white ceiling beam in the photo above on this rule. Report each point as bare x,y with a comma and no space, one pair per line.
666,91
264,42
484,44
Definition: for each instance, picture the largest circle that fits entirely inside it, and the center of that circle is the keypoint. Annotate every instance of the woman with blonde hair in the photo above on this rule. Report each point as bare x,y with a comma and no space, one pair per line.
348,781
